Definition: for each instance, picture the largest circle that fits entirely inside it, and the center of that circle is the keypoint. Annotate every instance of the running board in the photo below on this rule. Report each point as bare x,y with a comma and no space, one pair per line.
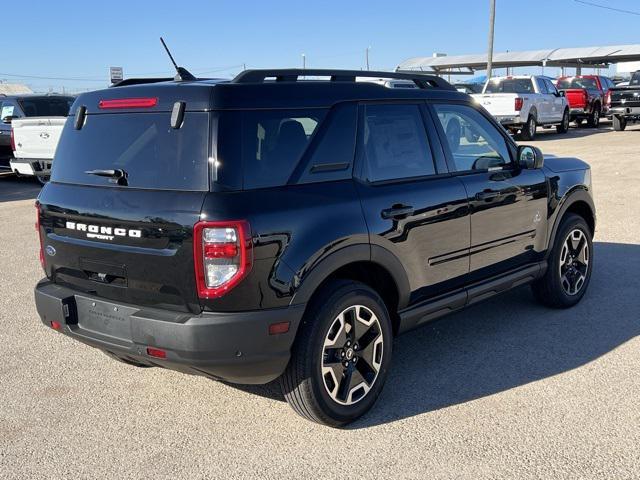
431,309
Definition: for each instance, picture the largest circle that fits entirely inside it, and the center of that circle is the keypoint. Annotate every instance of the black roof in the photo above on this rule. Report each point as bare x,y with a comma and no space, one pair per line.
290,88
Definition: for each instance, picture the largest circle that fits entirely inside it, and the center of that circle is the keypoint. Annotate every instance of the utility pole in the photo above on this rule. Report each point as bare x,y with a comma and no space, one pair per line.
367,55
492,22
304,61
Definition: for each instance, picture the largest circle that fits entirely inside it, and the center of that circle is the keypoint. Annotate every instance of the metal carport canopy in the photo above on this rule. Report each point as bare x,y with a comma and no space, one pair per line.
559,57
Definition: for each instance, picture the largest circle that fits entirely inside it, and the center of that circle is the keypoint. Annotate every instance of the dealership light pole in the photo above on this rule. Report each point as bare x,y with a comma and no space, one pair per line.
492,22
367,55
304,61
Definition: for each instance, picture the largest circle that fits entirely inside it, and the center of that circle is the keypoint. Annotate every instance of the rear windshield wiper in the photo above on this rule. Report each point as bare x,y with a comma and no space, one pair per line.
117,175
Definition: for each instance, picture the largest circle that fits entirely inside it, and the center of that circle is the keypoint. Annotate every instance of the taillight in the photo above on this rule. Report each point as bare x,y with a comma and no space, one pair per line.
222,256
519,103
128,103
39,235
607,99
13,141
585,97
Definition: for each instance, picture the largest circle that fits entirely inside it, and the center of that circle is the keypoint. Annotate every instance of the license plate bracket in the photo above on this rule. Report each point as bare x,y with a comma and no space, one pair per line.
104,318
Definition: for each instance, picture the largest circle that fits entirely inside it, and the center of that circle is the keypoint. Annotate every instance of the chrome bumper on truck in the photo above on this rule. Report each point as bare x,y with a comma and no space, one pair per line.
236,346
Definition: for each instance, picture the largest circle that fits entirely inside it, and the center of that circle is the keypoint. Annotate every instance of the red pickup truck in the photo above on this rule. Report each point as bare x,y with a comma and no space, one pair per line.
587,97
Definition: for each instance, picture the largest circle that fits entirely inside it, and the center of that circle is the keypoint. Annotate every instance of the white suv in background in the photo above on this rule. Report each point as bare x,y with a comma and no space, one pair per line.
522,103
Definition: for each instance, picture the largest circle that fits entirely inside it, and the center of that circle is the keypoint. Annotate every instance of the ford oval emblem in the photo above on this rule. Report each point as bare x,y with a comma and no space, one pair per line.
50,250
44,135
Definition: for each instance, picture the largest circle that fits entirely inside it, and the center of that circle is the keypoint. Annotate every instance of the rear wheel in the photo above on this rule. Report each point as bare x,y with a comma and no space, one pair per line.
619,123
43,179
564,125
528,131
594,119
570,265
340,360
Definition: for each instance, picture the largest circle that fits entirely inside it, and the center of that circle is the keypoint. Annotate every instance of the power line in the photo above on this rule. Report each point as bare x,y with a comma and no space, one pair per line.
584,2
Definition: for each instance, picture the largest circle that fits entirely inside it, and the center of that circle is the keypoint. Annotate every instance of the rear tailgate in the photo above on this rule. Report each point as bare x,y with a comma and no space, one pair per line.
627,96
577,97
498,104
131,241
37,137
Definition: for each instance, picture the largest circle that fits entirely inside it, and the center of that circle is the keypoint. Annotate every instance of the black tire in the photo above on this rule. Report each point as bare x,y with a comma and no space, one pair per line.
619,123
550,290
43,180
594,119
528,131
303,383
564,126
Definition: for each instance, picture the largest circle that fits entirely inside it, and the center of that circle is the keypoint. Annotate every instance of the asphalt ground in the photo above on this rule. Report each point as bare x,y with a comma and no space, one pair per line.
505,389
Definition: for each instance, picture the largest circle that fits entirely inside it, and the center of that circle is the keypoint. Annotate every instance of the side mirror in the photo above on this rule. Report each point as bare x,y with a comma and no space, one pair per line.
530,158
562,93
8,119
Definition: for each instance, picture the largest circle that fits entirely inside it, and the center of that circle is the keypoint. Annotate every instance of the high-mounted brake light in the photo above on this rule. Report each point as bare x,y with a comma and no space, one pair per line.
222,256
39,235
128,103
519,103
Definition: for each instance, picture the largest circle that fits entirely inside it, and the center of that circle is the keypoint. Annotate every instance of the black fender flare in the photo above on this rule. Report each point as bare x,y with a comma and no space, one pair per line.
351,254
572,197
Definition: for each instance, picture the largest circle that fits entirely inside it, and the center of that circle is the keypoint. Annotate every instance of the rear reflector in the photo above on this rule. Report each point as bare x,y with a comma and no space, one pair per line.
156,352
278,328
56,325
128,103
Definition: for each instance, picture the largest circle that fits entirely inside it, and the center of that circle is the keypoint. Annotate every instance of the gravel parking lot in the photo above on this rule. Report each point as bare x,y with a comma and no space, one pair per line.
506,389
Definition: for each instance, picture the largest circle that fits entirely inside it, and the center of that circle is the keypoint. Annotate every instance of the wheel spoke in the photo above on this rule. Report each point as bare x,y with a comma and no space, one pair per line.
354,339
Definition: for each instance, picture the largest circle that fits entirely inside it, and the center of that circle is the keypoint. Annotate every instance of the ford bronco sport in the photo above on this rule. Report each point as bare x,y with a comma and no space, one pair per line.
271,227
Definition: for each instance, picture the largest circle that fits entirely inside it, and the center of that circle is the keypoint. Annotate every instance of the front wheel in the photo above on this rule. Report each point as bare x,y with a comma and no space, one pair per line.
569,266
340,359
43,180
564,125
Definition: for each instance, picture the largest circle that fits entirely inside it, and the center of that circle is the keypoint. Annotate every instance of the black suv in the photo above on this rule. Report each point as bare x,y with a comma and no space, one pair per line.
273,227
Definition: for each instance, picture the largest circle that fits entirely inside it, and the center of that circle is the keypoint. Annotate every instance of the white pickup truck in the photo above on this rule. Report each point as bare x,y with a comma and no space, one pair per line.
522,103
35,134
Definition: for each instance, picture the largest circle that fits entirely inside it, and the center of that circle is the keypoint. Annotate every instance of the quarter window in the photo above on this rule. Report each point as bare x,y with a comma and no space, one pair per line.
394,143
474,142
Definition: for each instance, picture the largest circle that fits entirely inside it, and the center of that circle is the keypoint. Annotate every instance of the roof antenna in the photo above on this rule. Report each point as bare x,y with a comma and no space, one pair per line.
182,74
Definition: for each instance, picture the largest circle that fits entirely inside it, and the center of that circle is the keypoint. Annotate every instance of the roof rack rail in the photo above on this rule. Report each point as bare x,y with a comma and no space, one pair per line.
140,81
292,75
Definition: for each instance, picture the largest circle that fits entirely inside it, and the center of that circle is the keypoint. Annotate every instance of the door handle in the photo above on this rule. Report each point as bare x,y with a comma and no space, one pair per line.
397,212
484,196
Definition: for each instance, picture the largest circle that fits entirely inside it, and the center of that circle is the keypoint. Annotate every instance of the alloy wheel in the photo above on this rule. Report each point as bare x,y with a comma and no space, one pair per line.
574,262
352,355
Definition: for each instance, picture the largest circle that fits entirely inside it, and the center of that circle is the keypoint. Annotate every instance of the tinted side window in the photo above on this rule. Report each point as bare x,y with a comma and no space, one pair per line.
550,87
394,143
474,142
542,87
330,157
273,142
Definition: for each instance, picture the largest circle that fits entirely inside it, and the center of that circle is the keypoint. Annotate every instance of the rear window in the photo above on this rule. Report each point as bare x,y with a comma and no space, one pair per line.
154,155
577,83
513,85
268,143
635,79
46,106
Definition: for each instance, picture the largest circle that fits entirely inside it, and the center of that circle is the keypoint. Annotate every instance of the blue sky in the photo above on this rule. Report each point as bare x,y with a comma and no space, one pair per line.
81,39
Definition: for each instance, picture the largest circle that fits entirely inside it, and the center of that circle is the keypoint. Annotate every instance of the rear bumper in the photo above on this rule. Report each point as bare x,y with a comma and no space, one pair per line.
633,111
21,166
510,120
235,347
